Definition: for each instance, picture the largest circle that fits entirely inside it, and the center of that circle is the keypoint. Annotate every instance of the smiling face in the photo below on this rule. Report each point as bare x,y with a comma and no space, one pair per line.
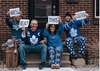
34,24
67,18
17,18
52,28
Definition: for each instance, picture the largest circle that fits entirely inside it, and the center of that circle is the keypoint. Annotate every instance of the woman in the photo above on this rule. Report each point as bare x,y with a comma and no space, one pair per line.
54,43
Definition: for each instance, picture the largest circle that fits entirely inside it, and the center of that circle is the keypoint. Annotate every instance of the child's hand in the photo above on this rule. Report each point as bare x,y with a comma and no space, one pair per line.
47,25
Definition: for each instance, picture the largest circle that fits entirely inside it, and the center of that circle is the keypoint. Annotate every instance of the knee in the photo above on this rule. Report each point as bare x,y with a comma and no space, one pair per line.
21,47
83,39
58,49
68,41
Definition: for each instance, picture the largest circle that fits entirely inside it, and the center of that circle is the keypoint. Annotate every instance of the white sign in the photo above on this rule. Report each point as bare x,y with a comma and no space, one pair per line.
53,20
24,22
80,15
14,12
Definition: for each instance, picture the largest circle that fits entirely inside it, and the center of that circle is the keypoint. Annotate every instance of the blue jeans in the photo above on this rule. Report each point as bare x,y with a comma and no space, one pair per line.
33,49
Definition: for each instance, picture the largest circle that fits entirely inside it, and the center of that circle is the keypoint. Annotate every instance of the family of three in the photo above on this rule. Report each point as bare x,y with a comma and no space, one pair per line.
32,38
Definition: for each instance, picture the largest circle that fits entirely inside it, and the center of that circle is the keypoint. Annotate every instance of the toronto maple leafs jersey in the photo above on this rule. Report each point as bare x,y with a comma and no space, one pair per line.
32,38
15,29
54,40
72,28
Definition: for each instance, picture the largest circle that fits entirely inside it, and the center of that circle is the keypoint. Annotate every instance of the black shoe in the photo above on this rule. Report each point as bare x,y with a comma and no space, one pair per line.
80,56
75,56
42,65
24,65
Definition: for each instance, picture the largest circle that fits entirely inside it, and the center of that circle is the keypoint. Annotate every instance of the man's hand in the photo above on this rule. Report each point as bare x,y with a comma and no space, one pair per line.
47,25
60,19
23,28
20,13
74,18
87,16
8,14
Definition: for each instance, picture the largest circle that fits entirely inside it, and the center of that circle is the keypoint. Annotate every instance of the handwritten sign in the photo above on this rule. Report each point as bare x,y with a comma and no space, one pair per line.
14,12
53,20
80,15
24,22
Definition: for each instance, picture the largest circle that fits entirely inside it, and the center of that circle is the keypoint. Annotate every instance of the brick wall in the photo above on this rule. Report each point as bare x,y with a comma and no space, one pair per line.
91,31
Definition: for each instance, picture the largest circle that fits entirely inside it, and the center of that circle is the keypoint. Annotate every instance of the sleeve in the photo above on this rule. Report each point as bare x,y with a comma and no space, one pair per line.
23,37
68,25
83,22
9,23
46,33
42,38
60,30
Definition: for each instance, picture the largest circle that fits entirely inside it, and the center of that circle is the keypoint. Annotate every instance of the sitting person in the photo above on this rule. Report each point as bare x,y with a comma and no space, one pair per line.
15,29
54,43
32,38
71,28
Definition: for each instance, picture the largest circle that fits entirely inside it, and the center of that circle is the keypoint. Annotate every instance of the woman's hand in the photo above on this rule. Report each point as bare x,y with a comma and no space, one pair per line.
47,25
60,19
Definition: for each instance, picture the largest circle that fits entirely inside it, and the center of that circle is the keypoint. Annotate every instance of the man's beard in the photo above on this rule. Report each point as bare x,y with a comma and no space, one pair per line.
67,20
16,20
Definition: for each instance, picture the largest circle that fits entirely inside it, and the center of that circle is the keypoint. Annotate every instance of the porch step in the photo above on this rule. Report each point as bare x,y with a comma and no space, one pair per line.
33,60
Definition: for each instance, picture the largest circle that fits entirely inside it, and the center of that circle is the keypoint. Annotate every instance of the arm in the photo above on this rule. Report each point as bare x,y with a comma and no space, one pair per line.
23,37
9,23
83,22
46,33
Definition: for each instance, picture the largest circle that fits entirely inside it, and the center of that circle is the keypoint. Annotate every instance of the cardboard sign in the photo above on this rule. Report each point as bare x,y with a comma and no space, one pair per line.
80,15
14,12
24,22
53,20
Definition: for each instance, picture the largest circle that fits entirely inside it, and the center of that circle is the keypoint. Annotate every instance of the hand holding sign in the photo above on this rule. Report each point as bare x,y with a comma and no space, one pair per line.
87,16
53,20
47,25
80,15
14,12
24,22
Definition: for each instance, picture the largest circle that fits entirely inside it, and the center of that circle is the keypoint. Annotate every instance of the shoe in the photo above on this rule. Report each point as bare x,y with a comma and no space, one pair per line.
75,56
53,66
57,66
42,65
80,56
24,65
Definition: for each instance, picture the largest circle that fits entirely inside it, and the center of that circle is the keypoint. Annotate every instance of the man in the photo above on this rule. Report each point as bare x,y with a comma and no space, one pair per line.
15,29
32,38
71,28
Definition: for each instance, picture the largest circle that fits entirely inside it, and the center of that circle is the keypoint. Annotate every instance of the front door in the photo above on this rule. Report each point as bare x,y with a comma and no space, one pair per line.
41,9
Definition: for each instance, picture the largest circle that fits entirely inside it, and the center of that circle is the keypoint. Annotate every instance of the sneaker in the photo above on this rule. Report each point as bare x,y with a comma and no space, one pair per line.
80,56
42,65
24,65
53,66
57,66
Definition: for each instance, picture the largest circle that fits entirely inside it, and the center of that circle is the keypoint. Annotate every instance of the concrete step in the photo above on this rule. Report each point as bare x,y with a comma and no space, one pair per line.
33,60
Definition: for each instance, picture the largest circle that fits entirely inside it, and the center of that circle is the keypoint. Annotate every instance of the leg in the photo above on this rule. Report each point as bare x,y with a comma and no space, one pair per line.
58,51
82,42
43,49
69,44
51,55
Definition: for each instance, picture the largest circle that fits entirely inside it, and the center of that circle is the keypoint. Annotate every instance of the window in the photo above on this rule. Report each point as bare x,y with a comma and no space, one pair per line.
96,10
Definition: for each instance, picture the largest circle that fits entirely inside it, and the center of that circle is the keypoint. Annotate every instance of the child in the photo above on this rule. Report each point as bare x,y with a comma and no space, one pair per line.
54,43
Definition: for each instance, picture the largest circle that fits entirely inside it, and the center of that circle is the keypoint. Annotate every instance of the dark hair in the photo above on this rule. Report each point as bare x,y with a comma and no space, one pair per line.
56,28
67,14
